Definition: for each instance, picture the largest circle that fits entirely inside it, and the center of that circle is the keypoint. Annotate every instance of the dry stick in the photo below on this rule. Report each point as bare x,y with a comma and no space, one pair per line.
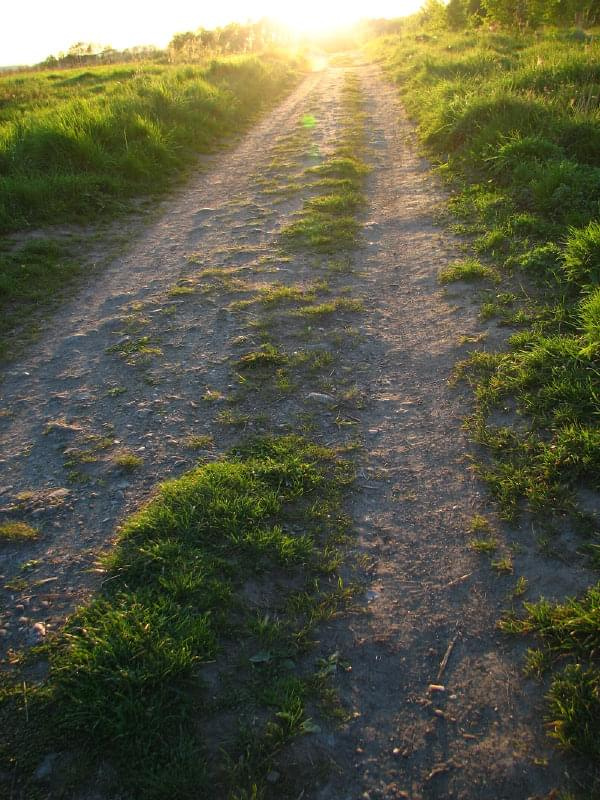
459,580
447,655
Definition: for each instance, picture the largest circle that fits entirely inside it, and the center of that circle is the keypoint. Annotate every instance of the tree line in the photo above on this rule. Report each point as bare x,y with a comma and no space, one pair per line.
523,13
236,37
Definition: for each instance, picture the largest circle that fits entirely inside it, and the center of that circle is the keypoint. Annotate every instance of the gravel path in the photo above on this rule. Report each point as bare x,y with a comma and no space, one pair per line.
144,358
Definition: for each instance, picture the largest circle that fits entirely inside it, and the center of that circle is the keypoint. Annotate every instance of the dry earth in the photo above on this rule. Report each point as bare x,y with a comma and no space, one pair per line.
144,357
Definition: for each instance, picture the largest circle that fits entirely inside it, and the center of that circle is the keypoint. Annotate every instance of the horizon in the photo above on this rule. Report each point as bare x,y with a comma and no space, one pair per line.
65,22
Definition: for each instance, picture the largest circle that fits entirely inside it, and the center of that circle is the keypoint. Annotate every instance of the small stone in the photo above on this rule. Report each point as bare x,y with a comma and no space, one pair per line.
273,776
58,494
319,397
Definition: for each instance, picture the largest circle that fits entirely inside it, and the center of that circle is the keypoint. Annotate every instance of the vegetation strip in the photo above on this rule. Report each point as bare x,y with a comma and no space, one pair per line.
328,221
512,126
226,572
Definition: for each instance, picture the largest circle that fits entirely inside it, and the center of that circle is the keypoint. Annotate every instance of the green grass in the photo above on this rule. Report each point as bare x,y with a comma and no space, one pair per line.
331,307
128,462
17,532
468,270
74,144
328,221
569,648
189,673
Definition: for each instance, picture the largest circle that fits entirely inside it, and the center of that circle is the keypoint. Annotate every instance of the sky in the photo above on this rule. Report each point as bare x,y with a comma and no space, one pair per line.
34,29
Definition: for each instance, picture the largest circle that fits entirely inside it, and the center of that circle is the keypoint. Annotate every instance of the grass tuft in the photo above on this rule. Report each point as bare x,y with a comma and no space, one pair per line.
16,532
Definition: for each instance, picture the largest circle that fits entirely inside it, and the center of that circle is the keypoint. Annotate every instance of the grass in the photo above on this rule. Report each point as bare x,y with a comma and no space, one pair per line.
511,122
569,643
129,678
328,221
468,270
127,462
17,532
30,273
199,442
74,144
523,168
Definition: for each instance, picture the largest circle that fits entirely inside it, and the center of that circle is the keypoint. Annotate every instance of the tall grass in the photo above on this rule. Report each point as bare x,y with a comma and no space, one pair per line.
514,125
75,143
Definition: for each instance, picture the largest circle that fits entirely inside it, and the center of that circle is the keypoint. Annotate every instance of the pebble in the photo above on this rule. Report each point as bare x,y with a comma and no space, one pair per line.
319,397
39,631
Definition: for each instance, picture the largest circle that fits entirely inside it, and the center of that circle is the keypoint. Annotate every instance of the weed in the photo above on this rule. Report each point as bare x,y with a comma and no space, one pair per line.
479,524
212,395
128,462
484,545
199,442
503,565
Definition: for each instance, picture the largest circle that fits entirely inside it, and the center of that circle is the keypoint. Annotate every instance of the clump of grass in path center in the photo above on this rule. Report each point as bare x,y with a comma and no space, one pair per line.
328,222
187,675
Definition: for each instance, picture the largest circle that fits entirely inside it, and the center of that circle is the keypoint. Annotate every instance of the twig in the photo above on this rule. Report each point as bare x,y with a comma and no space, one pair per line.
447,655
459,580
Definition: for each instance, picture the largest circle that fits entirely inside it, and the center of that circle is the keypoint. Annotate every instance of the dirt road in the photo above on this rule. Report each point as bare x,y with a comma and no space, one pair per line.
136,374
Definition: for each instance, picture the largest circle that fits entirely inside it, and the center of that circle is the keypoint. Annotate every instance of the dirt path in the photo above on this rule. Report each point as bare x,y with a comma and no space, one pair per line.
144,358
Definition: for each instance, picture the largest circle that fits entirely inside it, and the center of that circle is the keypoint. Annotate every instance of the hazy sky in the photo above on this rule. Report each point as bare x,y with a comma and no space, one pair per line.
31,30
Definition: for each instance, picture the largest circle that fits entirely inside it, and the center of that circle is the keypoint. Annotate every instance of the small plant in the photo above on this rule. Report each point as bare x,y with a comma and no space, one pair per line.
468,270
17,531
268,356
181,290
212,395
520,587
488,546
479,524
232,419
128,462
503,565
199,442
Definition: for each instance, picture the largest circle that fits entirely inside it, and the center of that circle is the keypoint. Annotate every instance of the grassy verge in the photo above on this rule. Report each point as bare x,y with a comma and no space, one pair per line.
77,146
75,143
512,124
328,221
189,675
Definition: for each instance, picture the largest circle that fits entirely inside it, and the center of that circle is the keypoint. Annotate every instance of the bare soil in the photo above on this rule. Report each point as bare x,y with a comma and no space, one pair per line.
134,366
